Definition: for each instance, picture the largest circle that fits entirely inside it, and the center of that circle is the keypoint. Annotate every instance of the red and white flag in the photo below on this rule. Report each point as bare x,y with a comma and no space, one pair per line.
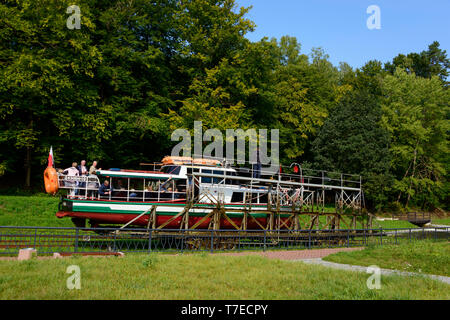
50,157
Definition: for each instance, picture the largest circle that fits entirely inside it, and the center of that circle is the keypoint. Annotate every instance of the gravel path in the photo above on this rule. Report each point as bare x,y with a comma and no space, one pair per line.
386,272
440,225
315,256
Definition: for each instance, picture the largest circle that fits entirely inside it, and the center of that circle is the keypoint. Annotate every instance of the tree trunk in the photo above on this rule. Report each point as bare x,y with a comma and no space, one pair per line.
412,174
404,176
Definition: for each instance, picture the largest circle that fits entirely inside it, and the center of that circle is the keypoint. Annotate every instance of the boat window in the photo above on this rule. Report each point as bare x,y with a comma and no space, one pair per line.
171,169
244,172
231,181
237,197
217,180
206,179
189,170
264,198
120,187
136,189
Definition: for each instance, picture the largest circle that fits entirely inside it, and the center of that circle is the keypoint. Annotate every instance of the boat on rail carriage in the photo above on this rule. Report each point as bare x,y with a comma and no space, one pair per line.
184,193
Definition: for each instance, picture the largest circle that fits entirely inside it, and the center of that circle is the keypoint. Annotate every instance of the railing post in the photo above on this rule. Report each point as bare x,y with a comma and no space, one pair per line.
35,234
264,249
309,239
239,240
212,241
182,240
150,241
76,239
381,236
348,238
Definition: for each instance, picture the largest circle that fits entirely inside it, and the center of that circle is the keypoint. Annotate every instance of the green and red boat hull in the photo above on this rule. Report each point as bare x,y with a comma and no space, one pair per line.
111,212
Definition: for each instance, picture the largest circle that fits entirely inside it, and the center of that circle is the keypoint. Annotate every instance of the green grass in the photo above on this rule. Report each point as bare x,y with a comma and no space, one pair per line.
445,221
346,221
201,276
392,224
423,256
31,211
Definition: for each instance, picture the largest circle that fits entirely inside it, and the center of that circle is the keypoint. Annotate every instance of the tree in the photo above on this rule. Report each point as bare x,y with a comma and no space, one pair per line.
415,112
429,63
220,64
45,70
99,92
352,141
304,90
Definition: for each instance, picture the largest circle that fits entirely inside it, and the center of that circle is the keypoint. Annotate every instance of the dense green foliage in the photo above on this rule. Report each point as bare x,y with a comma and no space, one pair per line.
136,70
352,140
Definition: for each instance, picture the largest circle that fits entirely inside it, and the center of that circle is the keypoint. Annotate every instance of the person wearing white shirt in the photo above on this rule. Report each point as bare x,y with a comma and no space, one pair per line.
72,172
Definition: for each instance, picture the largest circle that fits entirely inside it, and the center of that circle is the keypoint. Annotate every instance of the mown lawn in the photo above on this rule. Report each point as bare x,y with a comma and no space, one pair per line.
444,221
31,211
201,276
423,256
392,224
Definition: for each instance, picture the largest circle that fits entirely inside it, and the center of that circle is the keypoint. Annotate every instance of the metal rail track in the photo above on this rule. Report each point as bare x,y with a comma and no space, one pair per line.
76,240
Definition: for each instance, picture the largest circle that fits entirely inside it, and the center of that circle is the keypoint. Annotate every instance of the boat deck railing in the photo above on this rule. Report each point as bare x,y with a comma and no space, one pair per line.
258,186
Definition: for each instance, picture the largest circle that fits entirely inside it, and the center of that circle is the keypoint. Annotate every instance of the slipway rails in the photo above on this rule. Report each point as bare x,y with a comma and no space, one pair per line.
47,240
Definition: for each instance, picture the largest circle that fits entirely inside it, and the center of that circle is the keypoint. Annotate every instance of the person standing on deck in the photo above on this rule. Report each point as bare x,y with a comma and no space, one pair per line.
92,184
93,168
82,170
72,172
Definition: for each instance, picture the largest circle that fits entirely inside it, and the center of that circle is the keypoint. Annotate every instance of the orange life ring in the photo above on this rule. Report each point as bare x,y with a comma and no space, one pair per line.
51,180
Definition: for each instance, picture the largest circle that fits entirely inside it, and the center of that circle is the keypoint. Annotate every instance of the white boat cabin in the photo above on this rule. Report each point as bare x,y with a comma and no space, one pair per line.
169,184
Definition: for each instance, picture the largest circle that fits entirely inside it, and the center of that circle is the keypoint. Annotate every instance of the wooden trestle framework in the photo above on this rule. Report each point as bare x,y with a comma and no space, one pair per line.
293,209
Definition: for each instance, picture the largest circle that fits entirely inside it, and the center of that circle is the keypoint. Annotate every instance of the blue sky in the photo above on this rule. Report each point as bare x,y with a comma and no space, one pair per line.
339,26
